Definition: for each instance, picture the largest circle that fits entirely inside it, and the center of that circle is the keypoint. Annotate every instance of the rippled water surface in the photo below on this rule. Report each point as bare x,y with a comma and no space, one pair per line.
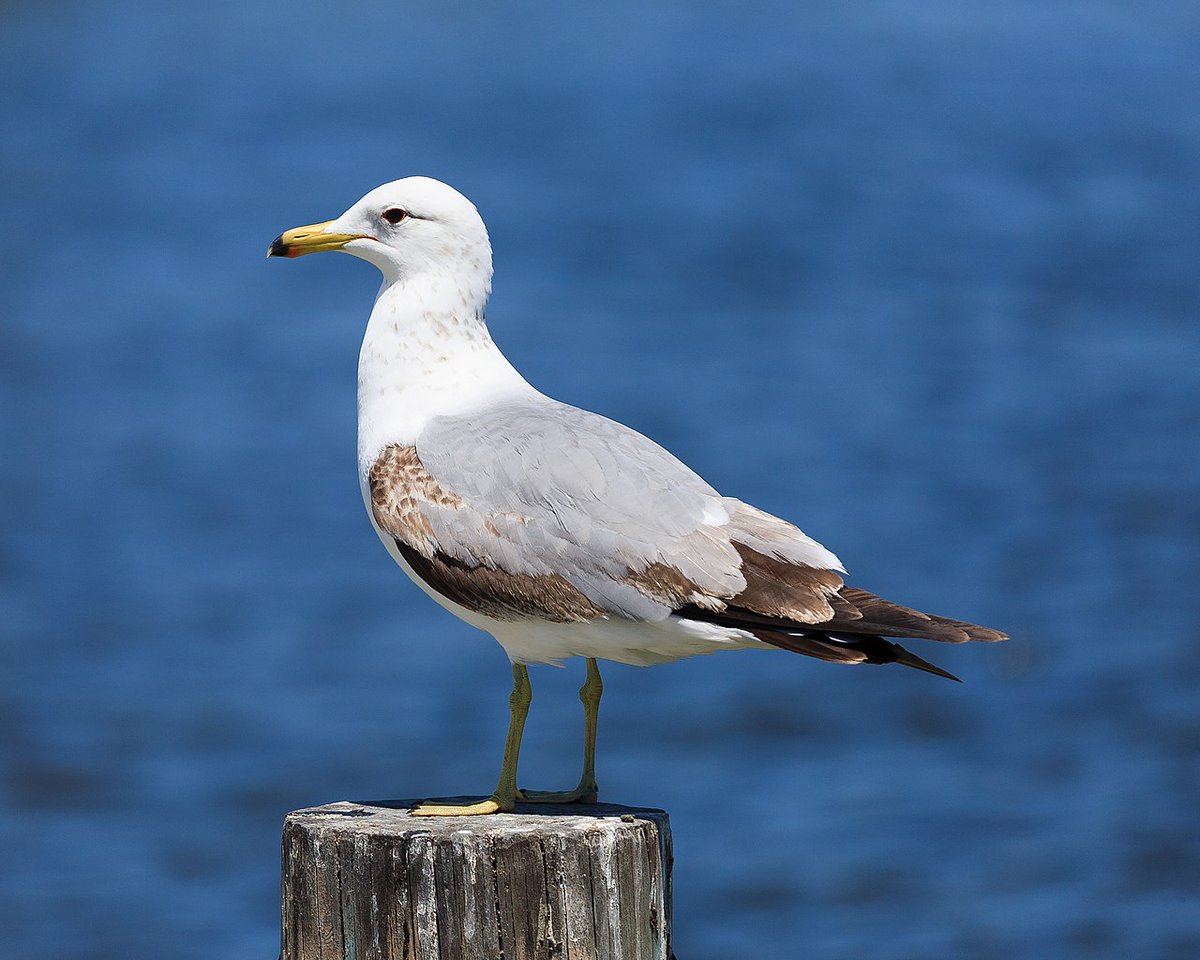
921,277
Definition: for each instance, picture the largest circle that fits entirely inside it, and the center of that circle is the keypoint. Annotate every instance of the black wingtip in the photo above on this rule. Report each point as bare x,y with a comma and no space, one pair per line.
910,659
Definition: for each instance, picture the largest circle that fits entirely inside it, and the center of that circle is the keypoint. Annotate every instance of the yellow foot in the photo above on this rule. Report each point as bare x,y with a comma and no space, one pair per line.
492,804
584,793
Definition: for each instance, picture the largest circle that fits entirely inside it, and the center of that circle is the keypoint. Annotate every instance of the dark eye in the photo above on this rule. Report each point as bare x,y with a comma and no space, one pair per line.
395,214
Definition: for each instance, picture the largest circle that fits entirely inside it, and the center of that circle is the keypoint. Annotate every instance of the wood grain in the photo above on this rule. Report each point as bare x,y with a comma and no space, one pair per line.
368,881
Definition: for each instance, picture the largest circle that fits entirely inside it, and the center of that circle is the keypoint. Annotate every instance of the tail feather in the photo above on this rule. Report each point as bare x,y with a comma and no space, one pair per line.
893,620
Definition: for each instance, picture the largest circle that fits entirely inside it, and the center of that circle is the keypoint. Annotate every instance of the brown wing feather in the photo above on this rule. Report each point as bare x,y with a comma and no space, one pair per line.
503,596
789,597
786,591
893,620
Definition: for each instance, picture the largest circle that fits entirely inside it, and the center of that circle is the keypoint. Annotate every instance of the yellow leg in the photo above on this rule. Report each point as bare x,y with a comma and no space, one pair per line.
505,795
589,694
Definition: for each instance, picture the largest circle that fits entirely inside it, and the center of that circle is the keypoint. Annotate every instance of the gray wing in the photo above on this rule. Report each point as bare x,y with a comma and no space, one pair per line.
537,509
542,489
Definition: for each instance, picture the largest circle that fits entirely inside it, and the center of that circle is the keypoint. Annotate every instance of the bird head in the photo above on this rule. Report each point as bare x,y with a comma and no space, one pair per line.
406,227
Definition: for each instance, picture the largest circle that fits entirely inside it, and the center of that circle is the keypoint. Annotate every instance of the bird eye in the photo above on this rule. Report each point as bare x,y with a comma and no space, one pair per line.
395,214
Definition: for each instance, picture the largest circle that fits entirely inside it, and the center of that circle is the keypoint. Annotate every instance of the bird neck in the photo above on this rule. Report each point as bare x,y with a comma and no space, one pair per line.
427,353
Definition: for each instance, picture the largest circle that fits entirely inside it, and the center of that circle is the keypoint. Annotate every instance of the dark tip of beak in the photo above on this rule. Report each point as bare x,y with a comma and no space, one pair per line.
277,248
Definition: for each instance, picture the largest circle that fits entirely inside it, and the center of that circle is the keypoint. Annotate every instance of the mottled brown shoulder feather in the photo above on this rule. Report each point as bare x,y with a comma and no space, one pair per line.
401,488
400,485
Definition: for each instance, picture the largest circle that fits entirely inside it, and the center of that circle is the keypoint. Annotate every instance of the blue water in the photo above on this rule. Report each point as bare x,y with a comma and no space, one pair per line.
921,277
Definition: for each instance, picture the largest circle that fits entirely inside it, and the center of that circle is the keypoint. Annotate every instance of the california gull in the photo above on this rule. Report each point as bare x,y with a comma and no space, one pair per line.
558,531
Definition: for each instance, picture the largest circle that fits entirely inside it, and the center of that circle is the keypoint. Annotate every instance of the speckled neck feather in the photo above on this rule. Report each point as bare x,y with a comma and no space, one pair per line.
427,352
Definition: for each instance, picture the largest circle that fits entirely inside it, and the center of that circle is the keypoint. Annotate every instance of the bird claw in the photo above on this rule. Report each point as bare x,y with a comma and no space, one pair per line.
492,804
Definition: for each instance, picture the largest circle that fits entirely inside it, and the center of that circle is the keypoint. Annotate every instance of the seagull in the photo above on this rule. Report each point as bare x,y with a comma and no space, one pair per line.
558,531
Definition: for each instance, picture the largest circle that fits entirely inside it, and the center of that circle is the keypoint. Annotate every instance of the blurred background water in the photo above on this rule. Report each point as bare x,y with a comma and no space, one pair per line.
919,276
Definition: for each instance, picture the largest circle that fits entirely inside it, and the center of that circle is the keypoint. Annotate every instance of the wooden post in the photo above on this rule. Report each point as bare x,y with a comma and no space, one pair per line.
368,881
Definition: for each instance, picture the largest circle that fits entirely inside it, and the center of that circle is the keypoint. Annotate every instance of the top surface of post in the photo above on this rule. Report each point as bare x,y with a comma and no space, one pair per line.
395,817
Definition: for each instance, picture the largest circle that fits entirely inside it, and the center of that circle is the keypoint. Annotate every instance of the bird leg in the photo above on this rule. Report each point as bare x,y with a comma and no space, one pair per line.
589,695
505,794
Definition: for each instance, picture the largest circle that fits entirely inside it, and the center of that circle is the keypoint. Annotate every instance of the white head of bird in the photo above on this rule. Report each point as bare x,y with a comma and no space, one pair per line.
415,230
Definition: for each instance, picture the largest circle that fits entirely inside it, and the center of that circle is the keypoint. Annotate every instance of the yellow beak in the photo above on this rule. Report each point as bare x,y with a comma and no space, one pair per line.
311,239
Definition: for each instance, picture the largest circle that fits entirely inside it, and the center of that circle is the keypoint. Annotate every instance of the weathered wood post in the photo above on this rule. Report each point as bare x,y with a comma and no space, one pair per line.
368,881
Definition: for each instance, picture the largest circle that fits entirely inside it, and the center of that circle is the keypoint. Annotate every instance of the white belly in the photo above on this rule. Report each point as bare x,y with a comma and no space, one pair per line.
612,638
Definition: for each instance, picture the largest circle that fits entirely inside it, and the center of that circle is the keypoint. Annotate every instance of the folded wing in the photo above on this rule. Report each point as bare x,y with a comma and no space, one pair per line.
535,509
